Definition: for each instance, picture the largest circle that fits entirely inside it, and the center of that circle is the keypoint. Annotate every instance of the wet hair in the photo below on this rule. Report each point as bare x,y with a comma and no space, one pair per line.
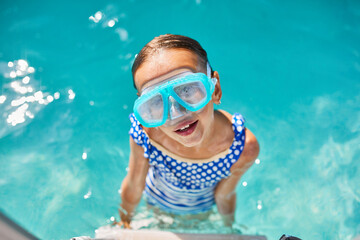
169,41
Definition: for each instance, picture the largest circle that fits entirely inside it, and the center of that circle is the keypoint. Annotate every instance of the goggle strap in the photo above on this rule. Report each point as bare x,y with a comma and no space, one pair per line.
212,85
208,70
213,80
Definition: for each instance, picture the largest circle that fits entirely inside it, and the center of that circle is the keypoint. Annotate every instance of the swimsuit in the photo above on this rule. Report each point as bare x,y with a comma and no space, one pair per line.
185,186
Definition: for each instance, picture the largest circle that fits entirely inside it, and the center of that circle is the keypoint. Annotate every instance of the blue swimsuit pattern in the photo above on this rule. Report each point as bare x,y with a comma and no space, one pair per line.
183,187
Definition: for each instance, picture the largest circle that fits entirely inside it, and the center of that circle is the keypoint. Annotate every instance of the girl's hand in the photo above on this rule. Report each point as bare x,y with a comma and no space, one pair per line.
228,219
124,219
124,224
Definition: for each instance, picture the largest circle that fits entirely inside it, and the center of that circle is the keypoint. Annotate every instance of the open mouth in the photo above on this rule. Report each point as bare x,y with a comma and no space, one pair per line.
188,129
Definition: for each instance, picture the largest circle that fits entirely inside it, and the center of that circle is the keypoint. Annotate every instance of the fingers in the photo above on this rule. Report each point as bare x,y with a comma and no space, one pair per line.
123,224
126,225
117,223
125,218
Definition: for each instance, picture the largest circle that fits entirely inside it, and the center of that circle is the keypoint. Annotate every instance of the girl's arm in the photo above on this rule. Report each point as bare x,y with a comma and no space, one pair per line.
225,195
134,183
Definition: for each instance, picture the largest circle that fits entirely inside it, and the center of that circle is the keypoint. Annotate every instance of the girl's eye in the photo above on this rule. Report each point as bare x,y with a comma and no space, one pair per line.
185,91
156,102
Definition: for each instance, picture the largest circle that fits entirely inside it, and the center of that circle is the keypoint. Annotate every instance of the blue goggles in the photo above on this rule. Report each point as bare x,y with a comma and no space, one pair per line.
189,91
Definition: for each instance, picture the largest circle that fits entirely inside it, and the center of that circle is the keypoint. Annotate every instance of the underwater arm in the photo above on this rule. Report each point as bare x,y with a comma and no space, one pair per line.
225,192
134,183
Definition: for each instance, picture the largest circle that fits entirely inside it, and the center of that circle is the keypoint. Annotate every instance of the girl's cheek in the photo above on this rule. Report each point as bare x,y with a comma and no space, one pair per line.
206,113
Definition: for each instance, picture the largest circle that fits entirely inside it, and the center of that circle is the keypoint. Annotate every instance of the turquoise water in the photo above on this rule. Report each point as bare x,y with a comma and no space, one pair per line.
291,68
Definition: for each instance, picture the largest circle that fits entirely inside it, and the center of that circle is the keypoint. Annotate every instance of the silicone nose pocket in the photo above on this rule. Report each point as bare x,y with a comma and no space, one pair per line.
175,109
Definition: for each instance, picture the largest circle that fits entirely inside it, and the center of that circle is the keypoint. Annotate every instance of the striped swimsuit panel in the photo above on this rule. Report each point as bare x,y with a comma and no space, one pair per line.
184,187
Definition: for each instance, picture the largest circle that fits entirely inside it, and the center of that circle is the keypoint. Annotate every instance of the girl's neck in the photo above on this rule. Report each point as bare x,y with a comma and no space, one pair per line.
218,138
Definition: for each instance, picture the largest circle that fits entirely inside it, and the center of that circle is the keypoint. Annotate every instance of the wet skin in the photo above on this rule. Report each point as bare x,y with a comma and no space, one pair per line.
211,135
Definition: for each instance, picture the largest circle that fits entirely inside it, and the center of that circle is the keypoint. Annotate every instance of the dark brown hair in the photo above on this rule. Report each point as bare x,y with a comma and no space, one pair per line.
168,41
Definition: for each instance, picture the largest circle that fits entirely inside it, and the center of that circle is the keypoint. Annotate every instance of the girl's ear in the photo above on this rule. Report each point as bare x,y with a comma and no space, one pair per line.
217,94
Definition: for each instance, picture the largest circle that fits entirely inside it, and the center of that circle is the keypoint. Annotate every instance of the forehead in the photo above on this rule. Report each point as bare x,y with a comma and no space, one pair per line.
165,64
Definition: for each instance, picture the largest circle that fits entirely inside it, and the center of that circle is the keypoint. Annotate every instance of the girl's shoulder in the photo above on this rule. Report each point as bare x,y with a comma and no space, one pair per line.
226,114
235,119
137,132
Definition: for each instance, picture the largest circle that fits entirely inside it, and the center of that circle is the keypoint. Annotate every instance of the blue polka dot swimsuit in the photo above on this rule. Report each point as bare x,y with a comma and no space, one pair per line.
185,187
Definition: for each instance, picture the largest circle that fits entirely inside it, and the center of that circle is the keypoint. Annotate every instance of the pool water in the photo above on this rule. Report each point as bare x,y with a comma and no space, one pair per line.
291,68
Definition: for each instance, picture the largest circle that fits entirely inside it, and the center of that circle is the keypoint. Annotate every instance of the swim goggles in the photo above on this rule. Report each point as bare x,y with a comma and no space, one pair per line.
186,91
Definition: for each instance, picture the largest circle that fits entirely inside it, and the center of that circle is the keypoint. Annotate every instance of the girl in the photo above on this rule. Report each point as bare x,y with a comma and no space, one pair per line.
185,156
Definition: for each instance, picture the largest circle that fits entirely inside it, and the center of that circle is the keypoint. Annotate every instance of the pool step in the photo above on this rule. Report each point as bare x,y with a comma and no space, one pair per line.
9,230
119,234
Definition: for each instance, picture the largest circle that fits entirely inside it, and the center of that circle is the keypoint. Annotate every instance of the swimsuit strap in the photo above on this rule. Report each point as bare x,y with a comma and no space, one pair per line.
238,124
138,135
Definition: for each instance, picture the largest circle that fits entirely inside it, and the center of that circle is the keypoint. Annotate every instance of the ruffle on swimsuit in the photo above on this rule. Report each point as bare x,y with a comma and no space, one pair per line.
183,186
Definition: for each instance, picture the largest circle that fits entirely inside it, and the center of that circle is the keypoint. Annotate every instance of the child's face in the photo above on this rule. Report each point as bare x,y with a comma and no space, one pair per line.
163,65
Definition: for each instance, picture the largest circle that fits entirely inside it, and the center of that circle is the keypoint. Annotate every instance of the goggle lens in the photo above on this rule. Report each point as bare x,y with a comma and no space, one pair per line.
191,93
152,110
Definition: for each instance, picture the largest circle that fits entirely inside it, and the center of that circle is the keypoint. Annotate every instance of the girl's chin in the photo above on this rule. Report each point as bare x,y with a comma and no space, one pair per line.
189,141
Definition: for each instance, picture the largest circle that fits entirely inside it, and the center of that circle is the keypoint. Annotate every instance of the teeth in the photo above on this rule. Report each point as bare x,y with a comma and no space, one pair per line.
185,127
